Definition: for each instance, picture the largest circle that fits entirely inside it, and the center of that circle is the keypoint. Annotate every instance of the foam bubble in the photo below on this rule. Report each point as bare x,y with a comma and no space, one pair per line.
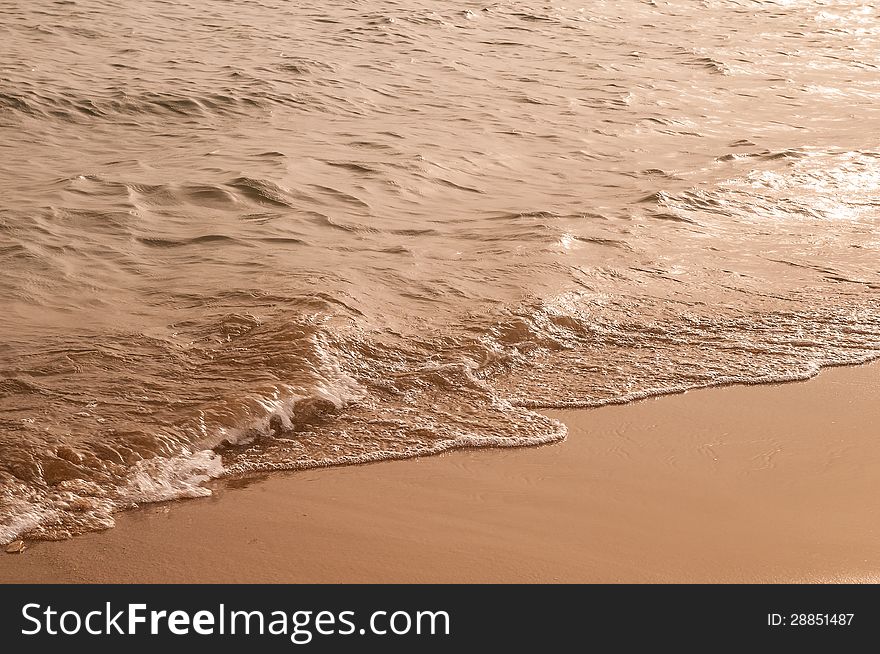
160,478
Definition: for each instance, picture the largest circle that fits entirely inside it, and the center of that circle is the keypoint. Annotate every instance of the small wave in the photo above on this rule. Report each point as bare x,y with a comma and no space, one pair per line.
117,105
260,191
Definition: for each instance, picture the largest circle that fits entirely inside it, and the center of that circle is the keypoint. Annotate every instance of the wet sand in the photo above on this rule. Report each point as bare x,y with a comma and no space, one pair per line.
739,484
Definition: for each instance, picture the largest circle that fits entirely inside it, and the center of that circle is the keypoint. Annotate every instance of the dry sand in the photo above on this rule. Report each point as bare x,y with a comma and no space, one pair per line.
745,483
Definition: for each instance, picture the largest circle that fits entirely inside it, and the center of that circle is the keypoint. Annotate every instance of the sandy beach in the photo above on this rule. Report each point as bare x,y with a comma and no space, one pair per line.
255,238
735,484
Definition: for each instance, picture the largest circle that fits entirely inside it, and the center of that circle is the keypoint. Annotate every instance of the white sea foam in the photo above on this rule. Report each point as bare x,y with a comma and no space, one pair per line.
160,478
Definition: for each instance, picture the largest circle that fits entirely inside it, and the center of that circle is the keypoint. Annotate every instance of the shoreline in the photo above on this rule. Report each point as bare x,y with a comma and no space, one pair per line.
742,483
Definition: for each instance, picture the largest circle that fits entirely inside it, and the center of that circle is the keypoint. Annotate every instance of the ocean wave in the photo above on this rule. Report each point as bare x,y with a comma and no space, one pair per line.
290,235
367,396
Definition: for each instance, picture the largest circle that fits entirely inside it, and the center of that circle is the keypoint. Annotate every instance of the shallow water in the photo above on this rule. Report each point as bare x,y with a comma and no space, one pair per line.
243,236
